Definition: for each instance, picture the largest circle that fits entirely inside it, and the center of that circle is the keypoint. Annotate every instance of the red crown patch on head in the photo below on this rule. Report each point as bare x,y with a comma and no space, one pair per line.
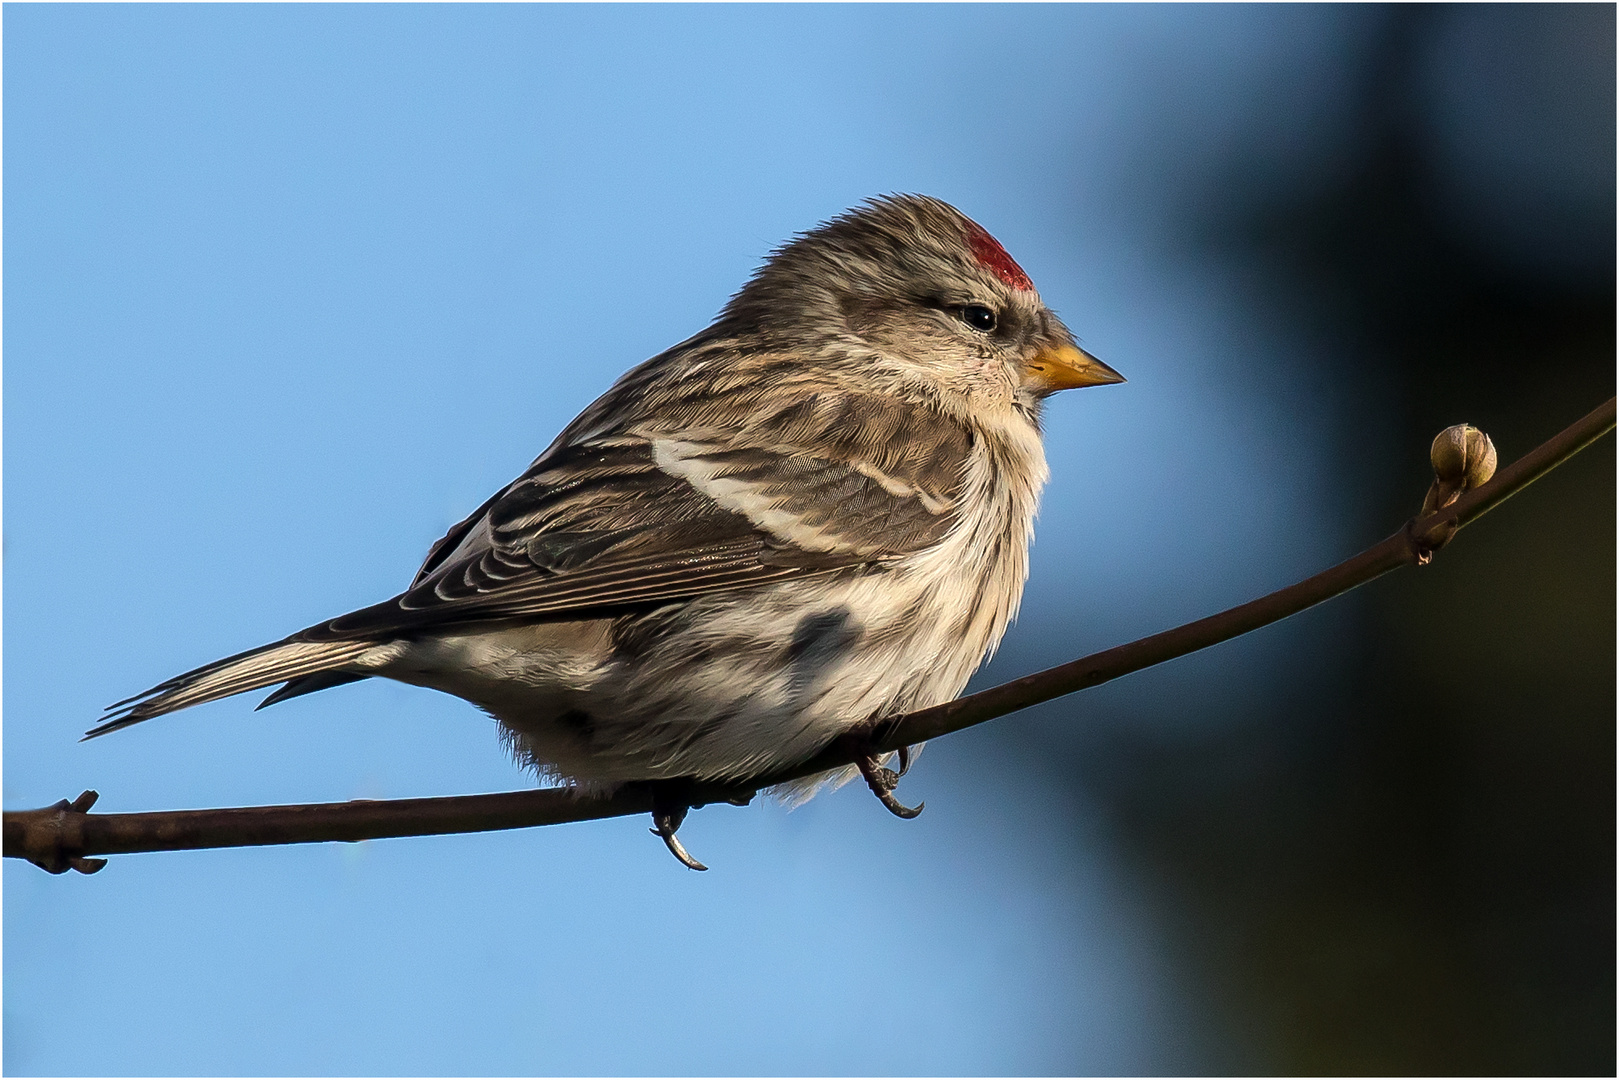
989,253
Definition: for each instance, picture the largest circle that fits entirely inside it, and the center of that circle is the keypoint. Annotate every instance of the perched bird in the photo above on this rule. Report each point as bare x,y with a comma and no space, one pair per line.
813,515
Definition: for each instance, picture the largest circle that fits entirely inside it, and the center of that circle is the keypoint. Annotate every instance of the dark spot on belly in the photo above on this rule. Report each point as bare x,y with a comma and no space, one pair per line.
578,722
818,635
817,641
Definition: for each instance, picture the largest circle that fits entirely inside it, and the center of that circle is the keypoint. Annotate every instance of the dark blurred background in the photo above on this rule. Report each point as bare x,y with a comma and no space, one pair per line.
1402,859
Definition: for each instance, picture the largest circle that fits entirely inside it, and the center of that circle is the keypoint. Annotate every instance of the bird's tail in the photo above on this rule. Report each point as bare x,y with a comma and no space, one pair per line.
279,662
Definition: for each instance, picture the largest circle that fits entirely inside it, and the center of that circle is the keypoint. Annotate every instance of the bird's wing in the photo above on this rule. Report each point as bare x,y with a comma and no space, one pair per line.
629,518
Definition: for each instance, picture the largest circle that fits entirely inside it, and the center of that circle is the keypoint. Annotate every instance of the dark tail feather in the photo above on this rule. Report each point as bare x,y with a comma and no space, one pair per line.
321,680
285,661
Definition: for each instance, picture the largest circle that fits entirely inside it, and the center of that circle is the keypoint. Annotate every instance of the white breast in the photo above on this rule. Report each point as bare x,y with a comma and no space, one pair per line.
757,682
747,683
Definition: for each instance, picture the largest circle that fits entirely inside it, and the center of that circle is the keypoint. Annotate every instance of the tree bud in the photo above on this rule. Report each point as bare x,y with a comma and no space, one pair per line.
1464,456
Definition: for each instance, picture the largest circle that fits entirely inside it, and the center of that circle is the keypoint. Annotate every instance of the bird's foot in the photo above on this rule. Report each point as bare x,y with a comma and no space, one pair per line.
883,780
668,811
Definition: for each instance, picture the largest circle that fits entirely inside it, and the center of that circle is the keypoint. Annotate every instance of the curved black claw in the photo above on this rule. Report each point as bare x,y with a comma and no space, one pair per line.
666,819
882,782
904,753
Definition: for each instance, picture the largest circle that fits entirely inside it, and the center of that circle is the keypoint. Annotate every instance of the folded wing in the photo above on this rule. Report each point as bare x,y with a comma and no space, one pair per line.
620,520
632,519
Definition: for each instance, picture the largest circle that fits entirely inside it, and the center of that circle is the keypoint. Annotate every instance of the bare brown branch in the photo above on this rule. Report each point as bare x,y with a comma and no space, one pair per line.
65,836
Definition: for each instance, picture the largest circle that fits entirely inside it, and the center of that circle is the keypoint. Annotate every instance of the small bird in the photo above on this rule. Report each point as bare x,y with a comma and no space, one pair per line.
813,515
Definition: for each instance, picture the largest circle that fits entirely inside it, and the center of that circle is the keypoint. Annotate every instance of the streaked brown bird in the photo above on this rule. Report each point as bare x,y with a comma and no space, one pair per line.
814,514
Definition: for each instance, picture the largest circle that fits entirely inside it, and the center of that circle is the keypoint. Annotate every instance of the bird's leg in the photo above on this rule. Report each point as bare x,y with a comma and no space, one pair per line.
880,779
668,811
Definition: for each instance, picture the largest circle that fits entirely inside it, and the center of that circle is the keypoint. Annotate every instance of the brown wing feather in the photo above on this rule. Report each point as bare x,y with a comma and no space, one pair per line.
596,526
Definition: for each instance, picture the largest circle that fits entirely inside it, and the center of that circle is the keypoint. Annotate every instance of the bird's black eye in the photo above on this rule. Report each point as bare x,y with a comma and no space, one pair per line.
979,318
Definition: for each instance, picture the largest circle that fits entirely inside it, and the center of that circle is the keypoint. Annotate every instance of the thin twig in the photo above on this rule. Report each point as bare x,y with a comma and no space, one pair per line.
1396,551
61,837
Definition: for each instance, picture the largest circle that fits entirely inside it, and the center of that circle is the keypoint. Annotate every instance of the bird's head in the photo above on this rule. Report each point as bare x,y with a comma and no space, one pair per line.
921,297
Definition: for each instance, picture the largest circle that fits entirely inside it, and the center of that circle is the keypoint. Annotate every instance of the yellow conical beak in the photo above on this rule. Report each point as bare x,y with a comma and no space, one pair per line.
1064,367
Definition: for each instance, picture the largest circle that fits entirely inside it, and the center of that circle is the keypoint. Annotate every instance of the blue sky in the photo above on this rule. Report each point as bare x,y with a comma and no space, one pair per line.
289,290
